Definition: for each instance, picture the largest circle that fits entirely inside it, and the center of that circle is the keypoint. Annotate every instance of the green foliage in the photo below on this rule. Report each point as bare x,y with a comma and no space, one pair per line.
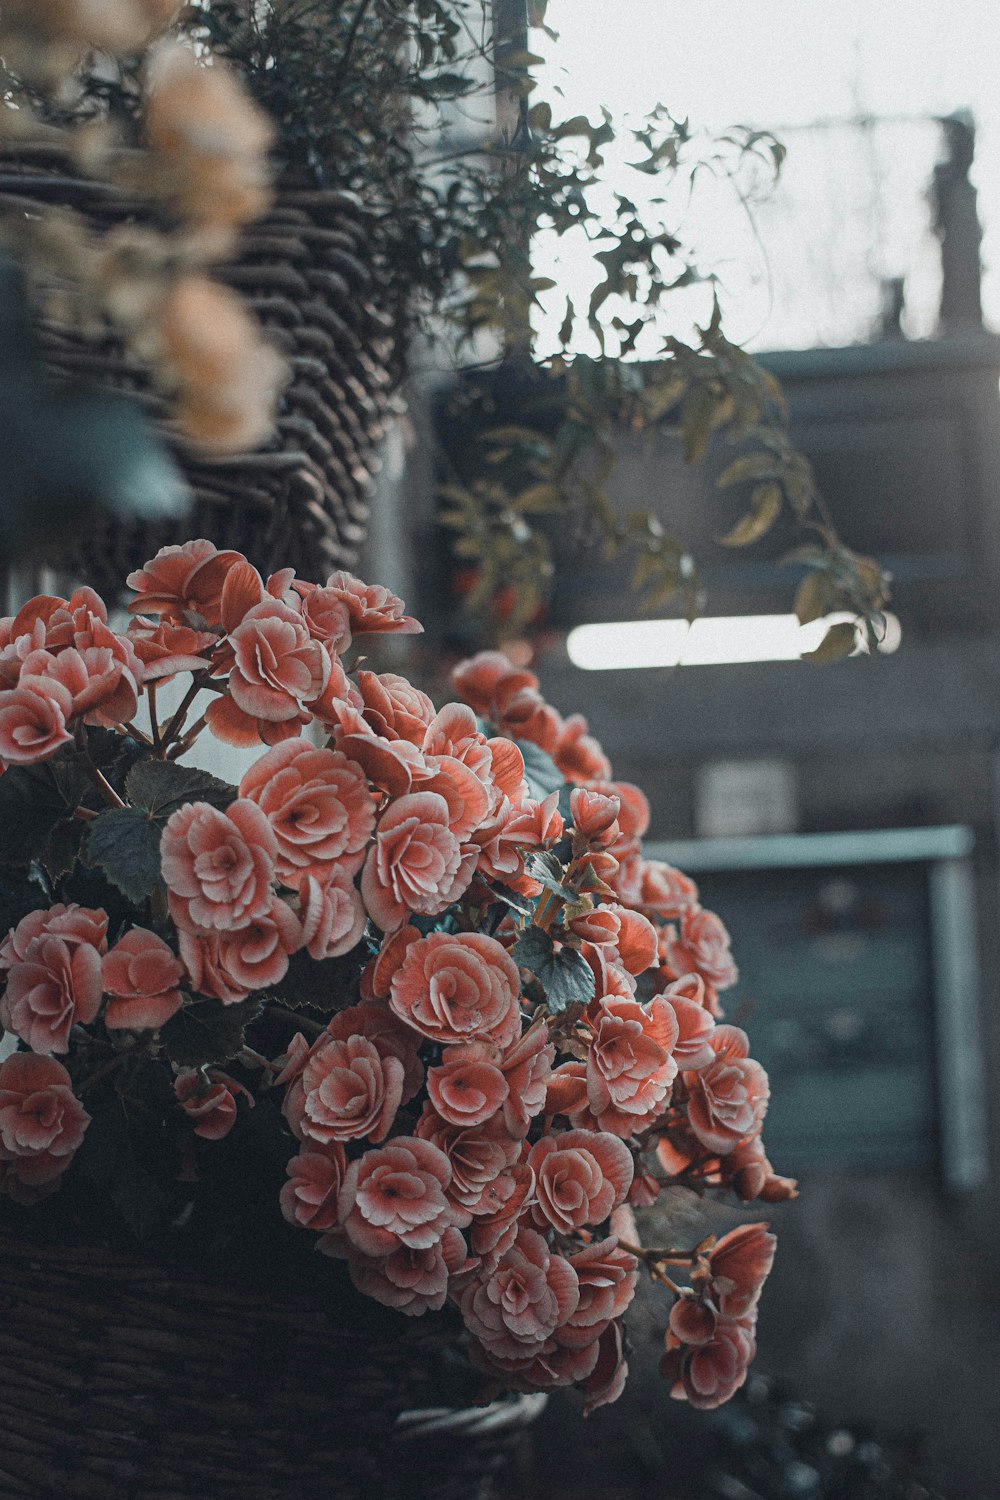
204,1031
160,787
365,93
124,842
564,974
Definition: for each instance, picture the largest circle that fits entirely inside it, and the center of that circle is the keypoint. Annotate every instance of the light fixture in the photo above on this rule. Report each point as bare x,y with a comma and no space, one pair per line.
710,641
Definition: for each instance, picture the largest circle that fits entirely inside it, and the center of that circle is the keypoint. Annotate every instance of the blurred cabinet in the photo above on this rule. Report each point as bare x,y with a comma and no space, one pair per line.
858,986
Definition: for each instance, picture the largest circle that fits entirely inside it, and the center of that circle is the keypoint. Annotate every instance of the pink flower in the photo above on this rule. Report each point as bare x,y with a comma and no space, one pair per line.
394,1196
467,1087
478,678
527,1066
664,892
210,1106
578,755
740,1263
457,988
309,1197
630,1066
218,866
183,582
700,945
607,1276
750,1175
101,688
370,607
317,803
347,1090
507,1198
606,1381
594,815
229,965
477,1154
416,864
166,649
42,1122
33,724
708,1373
53,960
581,1175
377,1022
141,975
727,1100
412,1281
695,1024
513,1307
278,668
333,916
393,707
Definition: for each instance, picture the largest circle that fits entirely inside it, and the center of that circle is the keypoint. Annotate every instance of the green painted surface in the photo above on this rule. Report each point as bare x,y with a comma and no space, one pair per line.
835,991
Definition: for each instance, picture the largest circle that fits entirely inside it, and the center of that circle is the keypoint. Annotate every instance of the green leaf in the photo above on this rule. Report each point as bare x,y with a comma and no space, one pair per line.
765,508
32,805
160,787
540,771
751,466
532,950
839,641
697,420
563,973
206,1031
125,843
815,594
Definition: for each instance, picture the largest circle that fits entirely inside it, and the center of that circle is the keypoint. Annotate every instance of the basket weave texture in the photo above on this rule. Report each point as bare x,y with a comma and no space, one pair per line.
124,1378
306,272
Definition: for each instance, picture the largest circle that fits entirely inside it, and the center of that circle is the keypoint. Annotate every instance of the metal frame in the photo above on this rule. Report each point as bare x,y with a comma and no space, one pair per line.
946,851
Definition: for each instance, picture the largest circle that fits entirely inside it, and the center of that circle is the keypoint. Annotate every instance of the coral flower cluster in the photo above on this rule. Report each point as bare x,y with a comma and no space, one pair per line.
422,947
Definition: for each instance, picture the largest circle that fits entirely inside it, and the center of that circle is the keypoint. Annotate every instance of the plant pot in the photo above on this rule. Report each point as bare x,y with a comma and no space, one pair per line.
305,271
128,1378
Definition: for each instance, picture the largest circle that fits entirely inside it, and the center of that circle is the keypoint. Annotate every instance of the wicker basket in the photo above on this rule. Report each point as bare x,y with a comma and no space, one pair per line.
306,272
130,1379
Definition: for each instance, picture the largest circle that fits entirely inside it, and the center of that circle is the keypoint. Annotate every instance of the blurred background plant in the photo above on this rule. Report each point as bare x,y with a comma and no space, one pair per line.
423,111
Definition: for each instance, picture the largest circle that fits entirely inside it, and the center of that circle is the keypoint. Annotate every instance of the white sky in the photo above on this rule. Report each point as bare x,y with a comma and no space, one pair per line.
774,63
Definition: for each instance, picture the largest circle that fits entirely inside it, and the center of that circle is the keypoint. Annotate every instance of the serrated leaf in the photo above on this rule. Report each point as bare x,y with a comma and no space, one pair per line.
32,803
567,979
160,787
839,641
765,508
206,1031
61,849
125,843
533,948
814,596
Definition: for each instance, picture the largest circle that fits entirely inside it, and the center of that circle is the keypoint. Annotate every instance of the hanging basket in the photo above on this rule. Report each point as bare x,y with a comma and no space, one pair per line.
124,1378
306,273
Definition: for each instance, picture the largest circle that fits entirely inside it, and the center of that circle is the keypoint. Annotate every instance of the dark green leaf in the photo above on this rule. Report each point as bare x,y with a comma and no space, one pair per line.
31,805
161,787
206,1031
532,950
125,843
